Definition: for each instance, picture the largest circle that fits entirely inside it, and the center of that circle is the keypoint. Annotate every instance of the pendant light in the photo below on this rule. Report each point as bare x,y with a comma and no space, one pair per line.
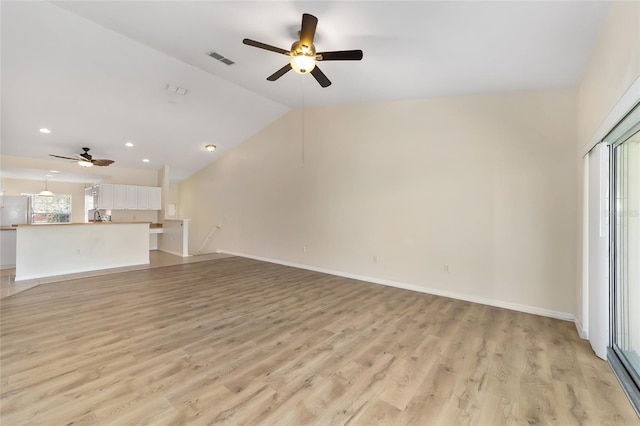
46,192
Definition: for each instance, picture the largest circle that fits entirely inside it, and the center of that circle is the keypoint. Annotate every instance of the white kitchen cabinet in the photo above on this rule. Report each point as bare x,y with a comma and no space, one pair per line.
155,198
143,197
89,200
103,197
98,197
149,198
120,197
124,197
132,197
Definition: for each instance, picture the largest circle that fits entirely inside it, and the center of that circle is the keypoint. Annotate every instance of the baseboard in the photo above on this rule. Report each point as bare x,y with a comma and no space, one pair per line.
436,292
581,331
175,253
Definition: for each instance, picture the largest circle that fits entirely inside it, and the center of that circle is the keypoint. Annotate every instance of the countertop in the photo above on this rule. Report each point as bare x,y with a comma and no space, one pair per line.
151,224
89,223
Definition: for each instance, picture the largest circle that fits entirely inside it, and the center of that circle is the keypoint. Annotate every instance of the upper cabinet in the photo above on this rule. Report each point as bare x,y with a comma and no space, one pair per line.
120,197
99,196
142,196
149,198
155,198
125,197
132,198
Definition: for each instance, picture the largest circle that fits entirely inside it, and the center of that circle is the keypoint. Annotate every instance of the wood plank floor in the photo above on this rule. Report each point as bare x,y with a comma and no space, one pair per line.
237,341
157,258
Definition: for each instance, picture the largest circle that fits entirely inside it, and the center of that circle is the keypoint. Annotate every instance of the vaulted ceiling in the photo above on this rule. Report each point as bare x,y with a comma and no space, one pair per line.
96,73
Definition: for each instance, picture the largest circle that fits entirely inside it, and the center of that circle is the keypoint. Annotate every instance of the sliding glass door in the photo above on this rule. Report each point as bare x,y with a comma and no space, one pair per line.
624,352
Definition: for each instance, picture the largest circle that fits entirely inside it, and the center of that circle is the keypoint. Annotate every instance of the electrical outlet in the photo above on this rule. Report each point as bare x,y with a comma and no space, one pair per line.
77,251
447,268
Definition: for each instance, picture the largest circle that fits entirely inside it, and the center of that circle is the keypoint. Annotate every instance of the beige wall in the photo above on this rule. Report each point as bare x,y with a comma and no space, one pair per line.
76,190
613,67
485,184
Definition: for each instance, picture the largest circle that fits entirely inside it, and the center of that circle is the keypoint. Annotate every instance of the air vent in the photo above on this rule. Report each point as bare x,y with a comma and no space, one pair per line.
219,57
177,90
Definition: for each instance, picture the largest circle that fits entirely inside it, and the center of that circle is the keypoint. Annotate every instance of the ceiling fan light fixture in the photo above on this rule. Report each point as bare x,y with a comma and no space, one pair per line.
303,64
85,163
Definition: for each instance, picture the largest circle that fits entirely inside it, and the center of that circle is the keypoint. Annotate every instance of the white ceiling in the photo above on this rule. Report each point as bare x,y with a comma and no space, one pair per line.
95,72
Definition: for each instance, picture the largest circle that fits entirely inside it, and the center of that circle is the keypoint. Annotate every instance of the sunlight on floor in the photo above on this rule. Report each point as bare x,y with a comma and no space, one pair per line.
9,286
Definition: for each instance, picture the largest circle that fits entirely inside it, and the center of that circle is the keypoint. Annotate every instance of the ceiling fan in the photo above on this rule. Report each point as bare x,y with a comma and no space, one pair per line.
85,159
303,53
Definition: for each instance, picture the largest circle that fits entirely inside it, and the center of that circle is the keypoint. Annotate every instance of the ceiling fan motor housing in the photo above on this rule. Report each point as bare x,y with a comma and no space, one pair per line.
86,154
303,57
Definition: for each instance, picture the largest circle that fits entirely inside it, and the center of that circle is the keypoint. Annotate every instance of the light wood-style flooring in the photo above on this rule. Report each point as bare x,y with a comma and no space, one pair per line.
157,258
237,341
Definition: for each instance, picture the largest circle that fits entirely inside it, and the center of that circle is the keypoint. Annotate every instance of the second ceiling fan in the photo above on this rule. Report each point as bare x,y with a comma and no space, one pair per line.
303,53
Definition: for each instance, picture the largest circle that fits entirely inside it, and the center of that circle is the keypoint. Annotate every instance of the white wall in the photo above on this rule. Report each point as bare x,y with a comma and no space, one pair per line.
485,184
175,237
614,66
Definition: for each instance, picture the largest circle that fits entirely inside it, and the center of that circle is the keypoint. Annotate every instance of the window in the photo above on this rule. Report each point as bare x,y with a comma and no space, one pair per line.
56,209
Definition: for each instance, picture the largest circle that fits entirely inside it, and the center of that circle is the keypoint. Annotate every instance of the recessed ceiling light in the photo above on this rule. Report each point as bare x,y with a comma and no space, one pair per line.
44,130
210,147
145,160
128,144
54,171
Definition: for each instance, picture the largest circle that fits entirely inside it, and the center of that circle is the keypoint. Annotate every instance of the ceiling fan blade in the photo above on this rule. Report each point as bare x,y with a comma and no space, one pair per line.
66,158
102,162
282,71
308,29
264,46
320,77
340,55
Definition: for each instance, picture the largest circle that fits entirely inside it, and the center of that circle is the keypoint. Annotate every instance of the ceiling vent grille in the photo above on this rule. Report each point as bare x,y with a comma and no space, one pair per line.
219,57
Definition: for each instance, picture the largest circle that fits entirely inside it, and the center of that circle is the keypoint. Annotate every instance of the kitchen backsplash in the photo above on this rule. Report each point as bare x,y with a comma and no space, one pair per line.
134,216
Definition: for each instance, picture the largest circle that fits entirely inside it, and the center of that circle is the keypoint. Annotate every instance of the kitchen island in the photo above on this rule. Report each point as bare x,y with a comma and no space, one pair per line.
46,250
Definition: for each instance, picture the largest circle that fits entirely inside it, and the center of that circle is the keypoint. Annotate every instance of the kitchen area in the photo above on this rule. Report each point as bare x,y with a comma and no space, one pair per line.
122,223
109,203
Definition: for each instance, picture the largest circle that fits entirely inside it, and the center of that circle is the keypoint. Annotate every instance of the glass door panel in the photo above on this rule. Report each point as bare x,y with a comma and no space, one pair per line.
627,251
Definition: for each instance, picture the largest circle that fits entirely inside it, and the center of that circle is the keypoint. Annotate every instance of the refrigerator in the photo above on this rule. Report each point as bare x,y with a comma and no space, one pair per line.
14,210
